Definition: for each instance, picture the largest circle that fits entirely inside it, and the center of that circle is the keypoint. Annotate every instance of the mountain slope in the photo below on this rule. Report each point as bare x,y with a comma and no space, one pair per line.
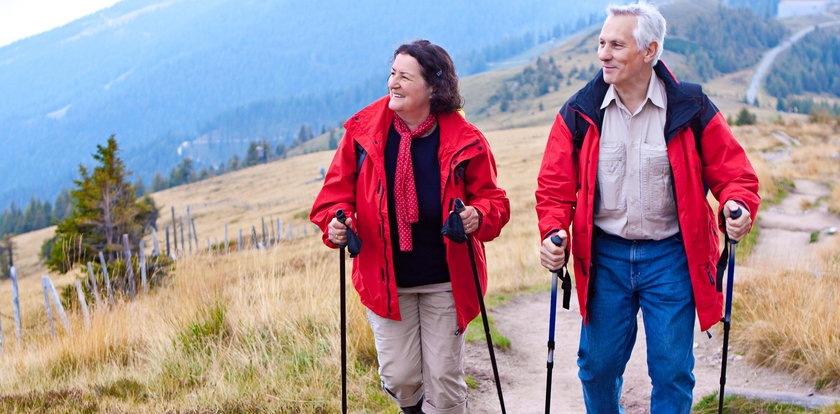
157,72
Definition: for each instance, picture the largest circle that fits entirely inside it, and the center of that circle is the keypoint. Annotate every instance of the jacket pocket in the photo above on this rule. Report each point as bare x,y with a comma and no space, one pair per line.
657,183
612,162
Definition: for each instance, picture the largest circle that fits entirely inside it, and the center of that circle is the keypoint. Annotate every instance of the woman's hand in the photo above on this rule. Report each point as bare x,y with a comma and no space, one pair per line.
471,219
337,231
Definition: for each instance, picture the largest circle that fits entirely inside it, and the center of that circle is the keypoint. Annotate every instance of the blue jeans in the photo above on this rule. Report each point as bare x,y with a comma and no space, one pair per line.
627,275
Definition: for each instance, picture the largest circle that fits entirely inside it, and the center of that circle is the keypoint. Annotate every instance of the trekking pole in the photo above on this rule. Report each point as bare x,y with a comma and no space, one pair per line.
341,218
567,291
727,316
459,207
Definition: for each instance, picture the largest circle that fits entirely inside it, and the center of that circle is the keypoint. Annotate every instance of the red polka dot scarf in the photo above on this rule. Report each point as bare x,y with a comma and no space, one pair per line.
405,191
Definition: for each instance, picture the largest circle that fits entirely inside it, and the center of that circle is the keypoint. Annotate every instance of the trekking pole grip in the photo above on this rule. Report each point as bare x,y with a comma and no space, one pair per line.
735,214
339,214
459,206
564,277
559,243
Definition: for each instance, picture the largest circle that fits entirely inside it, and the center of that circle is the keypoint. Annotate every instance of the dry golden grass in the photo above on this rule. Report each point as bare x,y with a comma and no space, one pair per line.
791,321
834,203
254,331
258,331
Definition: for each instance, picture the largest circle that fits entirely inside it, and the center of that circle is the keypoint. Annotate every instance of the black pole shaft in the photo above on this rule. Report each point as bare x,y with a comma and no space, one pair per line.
727,313
723,365
550,357
343,333
486,325
343,297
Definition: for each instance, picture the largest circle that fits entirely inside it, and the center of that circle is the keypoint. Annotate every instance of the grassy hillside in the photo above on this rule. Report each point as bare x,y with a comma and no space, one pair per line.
257,331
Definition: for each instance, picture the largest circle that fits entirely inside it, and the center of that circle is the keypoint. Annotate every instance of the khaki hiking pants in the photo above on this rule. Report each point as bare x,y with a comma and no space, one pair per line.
420,356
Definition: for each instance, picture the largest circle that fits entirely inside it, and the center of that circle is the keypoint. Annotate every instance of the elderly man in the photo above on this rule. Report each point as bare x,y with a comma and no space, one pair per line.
628,162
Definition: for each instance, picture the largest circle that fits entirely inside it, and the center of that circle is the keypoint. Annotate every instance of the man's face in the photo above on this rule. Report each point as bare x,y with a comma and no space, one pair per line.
623,63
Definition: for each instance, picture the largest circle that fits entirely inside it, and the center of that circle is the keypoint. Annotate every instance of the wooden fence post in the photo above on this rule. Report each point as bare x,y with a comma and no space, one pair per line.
93,287
279,229
227,248
208,246
47,304
174,229
189,231
168,254
239,242
107,279
155,250
254,236
83,302
183,243
195,233
144,282
16,301
290,230
272,237
58,307
265,241
132,289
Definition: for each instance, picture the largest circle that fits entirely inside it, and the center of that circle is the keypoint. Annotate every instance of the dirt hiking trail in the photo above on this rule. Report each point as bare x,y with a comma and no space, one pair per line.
784,241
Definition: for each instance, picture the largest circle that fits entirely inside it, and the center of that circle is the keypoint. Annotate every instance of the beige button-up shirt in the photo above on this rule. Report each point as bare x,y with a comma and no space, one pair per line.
634,174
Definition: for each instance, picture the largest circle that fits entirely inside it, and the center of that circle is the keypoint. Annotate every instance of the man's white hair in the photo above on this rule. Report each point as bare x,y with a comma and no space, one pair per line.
650,25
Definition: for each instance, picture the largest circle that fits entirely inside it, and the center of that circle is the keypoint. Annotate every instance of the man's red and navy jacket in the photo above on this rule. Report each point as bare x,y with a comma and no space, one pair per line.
716,162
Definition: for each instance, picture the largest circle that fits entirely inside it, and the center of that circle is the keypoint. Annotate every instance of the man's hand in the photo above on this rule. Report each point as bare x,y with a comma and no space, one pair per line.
739,227
470,218
552,256
337,231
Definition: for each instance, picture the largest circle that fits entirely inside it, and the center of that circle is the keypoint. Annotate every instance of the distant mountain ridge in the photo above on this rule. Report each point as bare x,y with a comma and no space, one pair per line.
159,72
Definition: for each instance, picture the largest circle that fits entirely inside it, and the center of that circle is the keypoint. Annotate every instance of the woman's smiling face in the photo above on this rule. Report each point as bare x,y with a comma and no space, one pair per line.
409,92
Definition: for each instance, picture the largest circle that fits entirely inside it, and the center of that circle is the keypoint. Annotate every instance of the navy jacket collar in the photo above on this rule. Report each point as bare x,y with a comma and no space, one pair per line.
684,100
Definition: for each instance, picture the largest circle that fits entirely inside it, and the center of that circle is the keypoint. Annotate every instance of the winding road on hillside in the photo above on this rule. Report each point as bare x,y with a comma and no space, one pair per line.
785,234
770,56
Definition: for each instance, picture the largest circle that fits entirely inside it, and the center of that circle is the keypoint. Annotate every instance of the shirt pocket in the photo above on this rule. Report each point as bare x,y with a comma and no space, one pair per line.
657,181
612,165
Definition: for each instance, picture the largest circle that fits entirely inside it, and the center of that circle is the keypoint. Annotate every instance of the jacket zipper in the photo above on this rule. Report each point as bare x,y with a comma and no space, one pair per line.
465,147
583,267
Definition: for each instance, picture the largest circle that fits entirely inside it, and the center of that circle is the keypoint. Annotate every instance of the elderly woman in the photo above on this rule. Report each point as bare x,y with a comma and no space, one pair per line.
397,172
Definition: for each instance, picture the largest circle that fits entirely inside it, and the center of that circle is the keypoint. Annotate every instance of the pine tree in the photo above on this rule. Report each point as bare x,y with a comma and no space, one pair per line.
159,182
106,207
253,156
6,254
62,206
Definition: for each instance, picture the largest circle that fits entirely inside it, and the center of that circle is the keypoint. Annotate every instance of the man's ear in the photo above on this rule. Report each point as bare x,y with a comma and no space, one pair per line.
650,52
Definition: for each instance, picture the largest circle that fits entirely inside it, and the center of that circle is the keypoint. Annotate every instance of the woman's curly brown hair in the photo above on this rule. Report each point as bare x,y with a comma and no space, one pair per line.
439,73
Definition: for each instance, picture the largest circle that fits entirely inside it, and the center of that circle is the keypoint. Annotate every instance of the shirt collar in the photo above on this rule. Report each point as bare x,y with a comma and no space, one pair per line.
655,94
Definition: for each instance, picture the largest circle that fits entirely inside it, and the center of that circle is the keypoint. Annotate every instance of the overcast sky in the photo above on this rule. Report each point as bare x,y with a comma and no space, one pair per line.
24,18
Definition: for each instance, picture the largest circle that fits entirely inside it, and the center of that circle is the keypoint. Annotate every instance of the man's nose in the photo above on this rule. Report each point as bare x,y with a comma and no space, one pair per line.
603,54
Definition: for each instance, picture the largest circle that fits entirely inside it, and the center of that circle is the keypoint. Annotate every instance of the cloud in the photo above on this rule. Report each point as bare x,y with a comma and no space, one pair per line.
59,113
110,23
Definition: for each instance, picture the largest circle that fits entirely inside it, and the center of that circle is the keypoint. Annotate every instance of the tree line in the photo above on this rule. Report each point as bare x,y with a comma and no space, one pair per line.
812,65
535,80
722,40
258,152
36,215
764,8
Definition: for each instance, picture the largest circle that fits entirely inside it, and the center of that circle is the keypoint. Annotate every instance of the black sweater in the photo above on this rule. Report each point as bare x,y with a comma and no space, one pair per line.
426,263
